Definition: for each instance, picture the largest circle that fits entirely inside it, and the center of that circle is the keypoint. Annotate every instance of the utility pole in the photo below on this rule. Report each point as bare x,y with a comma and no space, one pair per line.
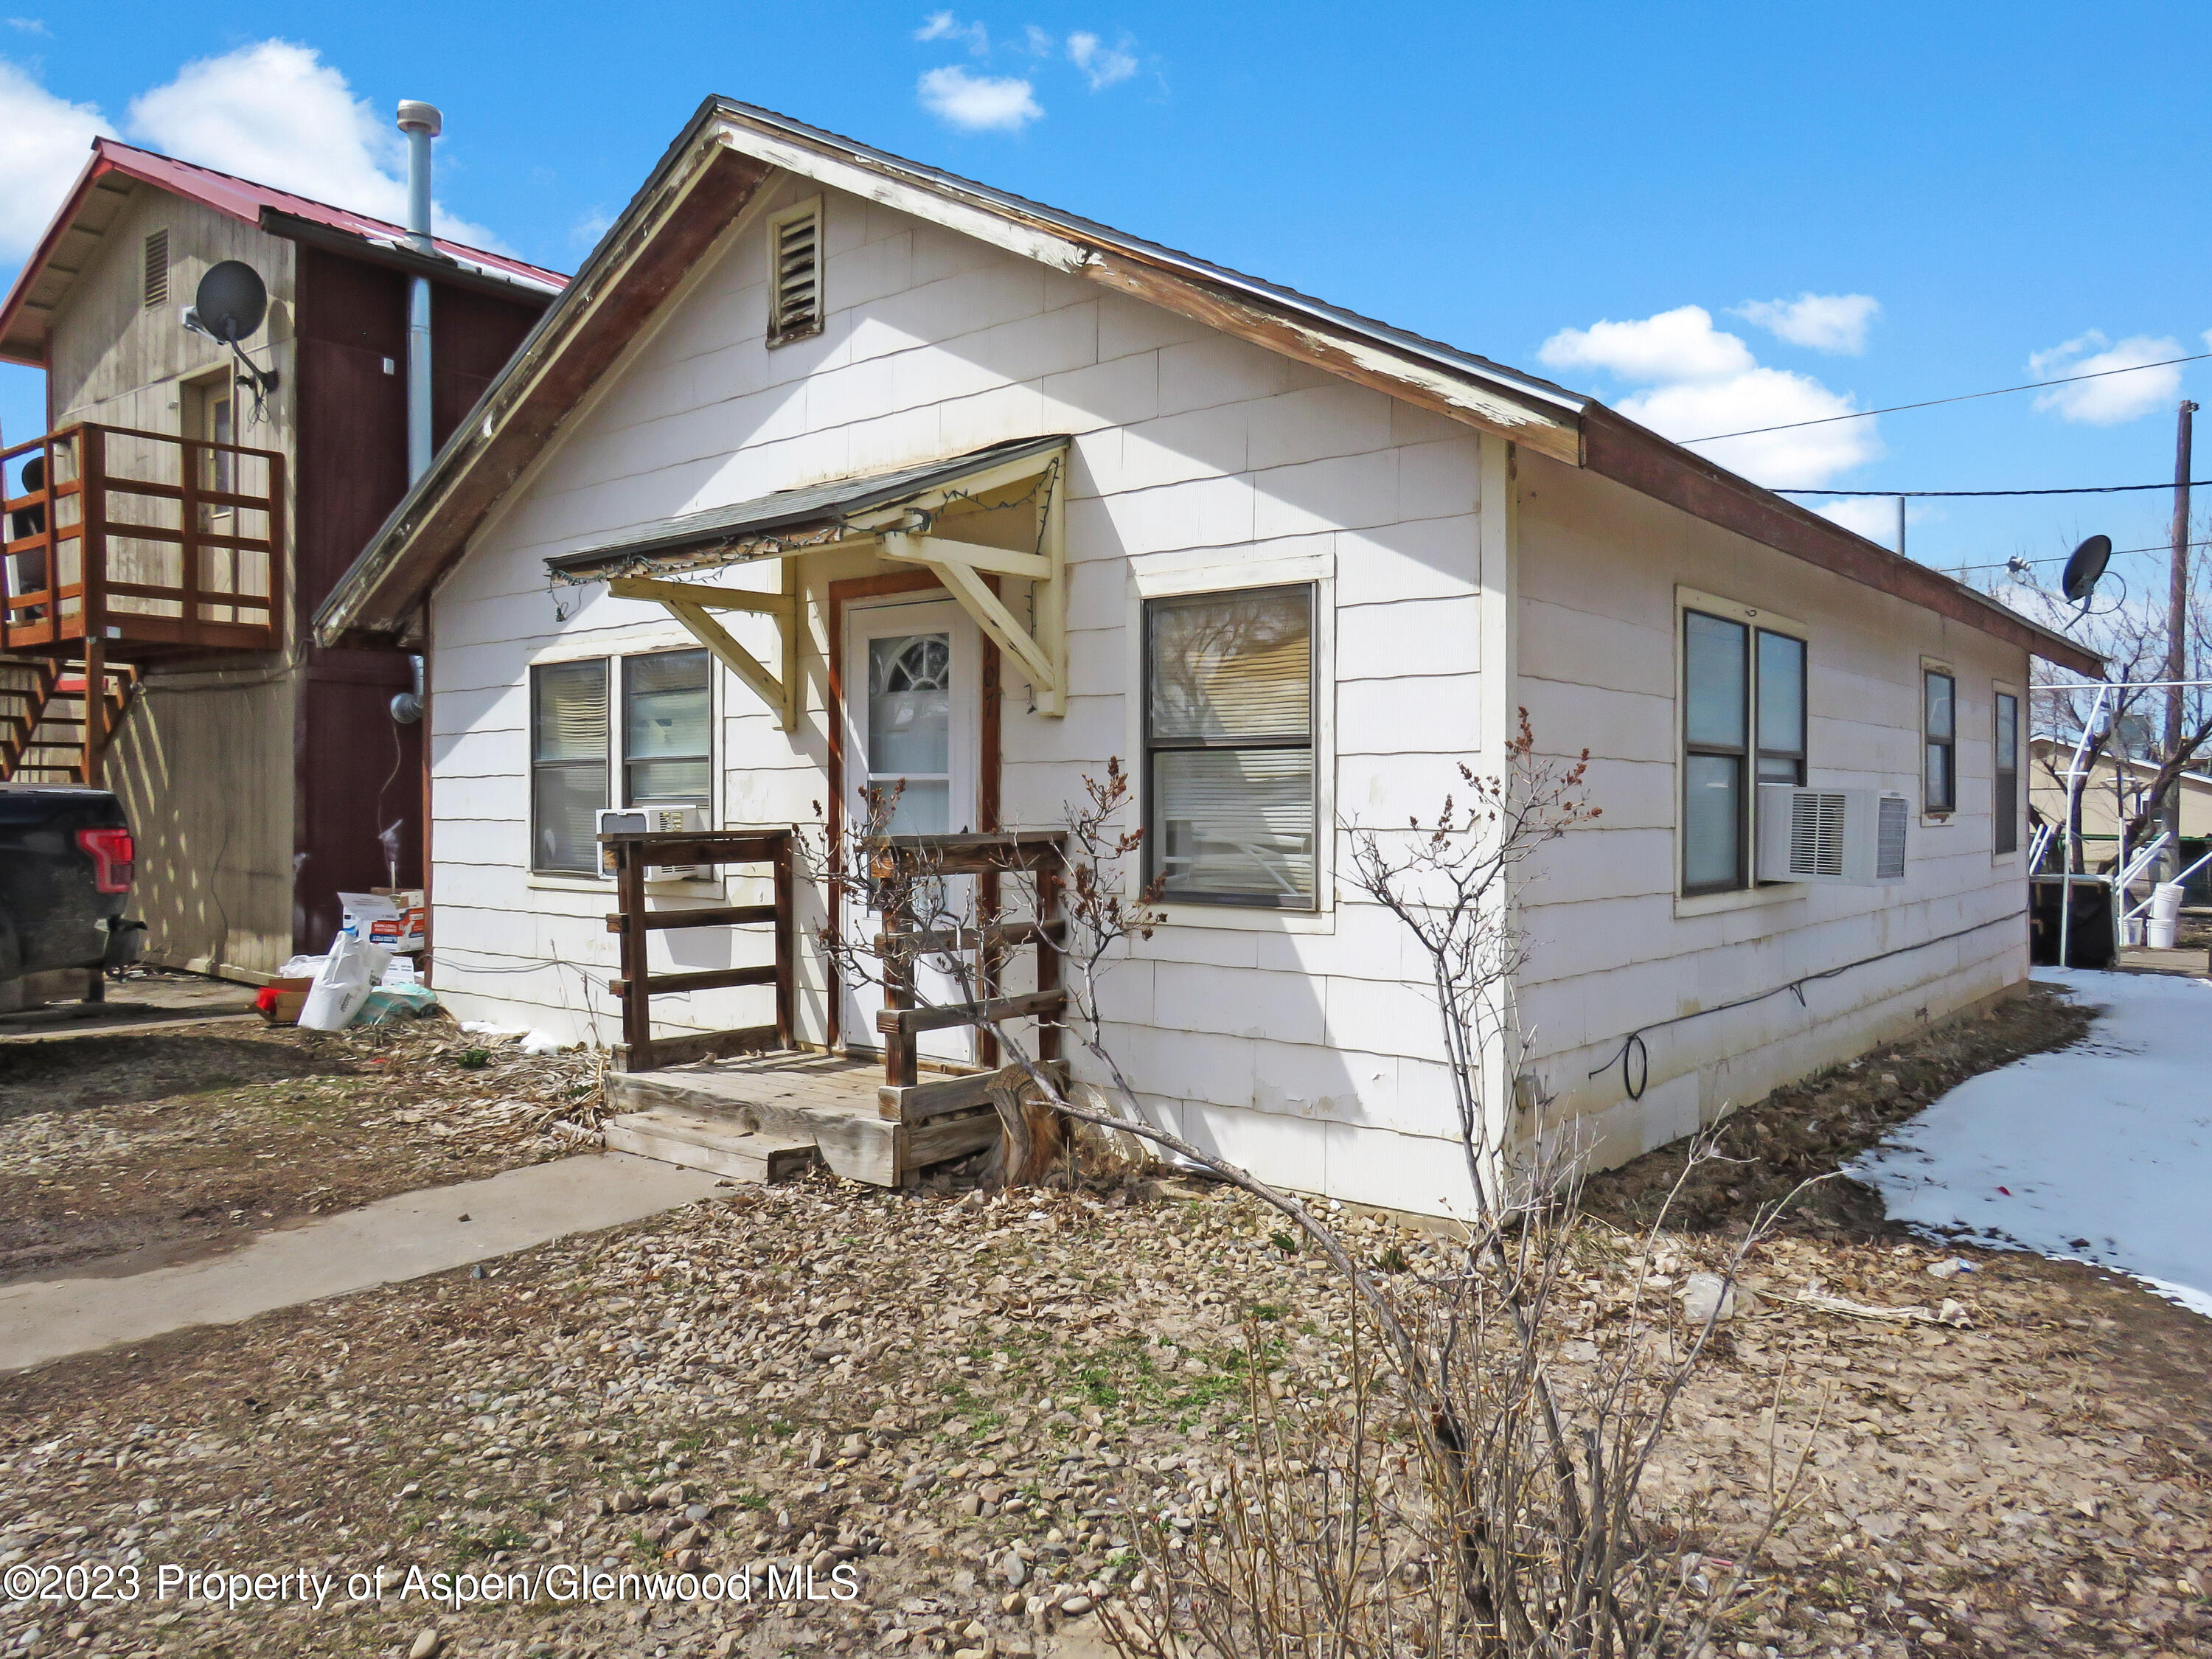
2177,632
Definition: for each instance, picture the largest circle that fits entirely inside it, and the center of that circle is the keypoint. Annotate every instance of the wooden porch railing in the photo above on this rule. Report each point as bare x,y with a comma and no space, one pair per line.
146,542
898,864
635,852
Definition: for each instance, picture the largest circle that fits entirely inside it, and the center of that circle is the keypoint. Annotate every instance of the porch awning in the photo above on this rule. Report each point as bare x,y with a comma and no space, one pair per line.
791,520
897,510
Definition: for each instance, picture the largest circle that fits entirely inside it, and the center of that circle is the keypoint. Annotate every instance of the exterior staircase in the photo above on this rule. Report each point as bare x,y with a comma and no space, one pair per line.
42,705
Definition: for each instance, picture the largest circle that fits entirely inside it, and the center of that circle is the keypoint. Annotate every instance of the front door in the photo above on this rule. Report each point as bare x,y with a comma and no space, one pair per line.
912,731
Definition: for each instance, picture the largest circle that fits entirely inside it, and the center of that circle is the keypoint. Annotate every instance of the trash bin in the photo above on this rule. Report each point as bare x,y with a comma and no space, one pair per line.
2089,939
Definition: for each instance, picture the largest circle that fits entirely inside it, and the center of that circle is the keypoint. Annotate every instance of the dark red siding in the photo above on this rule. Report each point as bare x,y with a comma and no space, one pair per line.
357,774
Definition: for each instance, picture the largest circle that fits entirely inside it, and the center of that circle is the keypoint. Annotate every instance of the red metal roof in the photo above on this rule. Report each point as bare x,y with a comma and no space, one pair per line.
241,199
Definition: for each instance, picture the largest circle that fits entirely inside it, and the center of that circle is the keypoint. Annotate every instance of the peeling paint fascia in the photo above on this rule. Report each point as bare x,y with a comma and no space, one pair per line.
857,179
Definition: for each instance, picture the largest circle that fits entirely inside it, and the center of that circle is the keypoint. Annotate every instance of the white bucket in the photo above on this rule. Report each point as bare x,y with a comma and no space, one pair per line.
2164,914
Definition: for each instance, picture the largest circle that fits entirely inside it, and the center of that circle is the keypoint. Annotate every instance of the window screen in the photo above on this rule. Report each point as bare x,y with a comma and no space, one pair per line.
1716,691
567,765
1229,747
1781,709
1940,777
2004,804
667,728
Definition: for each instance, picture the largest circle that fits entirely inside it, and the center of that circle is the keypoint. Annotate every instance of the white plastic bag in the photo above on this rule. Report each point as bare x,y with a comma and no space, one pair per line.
344,984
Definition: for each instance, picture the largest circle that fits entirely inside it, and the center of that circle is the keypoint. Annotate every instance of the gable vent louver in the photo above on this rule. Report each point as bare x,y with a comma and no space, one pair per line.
795,273
157,269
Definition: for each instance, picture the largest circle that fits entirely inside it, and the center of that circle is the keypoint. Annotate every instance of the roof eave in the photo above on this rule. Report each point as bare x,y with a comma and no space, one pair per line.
1618,448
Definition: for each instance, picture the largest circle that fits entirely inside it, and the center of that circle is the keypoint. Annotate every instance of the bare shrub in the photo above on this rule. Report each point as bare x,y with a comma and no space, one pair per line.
1475,1485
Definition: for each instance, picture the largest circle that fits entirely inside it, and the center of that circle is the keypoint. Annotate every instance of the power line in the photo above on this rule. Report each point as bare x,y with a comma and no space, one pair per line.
1917,494
2061,558
1963,397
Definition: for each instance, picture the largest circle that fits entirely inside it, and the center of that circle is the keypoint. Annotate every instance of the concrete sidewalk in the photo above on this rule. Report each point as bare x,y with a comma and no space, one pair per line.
395,1238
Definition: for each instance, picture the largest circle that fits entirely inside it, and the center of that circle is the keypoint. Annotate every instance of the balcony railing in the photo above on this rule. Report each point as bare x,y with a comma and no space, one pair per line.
152,543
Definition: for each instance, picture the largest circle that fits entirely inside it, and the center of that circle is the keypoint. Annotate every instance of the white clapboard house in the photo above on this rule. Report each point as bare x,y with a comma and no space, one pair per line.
975,494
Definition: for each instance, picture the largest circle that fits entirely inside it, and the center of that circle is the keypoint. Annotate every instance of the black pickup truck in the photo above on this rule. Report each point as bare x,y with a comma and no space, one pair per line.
66,860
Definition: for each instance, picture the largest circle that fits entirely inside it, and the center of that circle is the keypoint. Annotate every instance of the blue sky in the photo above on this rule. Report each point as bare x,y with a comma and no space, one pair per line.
1966,192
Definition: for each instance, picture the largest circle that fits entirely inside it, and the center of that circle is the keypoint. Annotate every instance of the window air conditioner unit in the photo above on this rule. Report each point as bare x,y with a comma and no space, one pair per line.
1854,838
654,821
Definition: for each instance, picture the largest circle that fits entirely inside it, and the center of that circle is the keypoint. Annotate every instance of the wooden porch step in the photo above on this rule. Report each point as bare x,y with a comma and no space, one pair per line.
719,1142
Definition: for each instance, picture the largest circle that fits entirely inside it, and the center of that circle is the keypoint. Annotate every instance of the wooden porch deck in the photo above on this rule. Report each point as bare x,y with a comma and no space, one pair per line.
748,1102
769,1108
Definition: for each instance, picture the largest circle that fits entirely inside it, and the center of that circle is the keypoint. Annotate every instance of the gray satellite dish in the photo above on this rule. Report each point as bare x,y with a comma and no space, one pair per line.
232,300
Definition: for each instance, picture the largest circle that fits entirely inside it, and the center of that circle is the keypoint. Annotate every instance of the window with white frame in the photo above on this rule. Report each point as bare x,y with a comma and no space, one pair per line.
1229,747
1939,703
568,765
1743,724
2004,800
661,747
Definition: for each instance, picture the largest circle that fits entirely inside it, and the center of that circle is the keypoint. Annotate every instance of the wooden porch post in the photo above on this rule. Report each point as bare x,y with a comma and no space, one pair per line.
630,899
95,706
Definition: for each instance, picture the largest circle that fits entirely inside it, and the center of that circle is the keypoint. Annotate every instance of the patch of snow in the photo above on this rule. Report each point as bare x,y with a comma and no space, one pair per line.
2098,1152
543,1043
485,1028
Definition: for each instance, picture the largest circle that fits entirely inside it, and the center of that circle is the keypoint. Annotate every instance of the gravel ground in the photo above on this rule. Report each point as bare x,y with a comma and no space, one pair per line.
949,1408
930,1391
156,1146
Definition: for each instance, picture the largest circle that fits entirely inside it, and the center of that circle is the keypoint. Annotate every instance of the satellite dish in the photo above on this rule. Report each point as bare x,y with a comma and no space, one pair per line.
233,300
2086,568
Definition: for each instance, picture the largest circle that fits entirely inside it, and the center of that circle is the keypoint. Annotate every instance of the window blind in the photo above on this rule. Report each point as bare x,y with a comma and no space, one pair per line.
568,778
1229,734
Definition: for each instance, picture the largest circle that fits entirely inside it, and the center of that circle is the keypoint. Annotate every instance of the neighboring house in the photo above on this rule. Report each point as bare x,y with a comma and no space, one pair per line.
1014,494
2111,792
172,531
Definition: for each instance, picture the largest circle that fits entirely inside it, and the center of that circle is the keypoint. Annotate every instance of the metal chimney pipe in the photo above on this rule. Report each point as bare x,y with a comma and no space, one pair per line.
421,123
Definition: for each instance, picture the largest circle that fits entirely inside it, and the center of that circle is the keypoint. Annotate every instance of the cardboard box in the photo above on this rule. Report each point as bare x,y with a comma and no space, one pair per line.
392,917
280,1000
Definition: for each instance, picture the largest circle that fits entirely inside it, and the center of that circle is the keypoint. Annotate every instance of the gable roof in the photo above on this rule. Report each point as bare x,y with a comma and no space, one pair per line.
729,152
116,170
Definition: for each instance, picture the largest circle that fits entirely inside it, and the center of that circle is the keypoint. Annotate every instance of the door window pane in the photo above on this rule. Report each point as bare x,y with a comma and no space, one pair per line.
1714,673
1229,723
910,705
569,764
1712,822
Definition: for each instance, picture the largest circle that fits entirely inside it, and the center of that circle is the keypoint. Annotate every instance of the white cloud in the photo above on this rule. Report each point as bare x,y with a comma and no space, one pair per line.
943,25
275,114
42,140
1101,65
1869,516
1681,344
979,103
1700,381
32,25
2118,397
590,225
1825,322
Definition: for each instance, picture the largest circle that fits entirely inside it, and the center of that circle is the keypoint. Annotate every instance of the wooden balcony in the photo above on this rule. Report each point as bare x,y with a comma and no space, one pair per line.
141,545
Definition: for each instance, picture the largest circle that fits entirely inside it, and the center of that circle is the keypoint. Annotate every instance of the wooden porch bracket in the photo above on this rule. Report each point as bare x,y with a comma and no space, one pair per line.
693,604
1040,649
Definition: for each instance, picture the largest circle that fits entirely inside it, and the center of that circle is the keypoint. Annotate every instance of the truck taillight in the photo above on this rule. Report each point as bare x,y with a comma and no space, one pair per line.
113,854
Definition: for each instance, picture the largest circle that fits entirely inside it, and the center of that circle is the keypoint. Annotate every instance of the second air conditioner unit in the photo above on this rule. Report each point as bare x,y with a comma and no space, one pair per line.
1853,837
654,821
